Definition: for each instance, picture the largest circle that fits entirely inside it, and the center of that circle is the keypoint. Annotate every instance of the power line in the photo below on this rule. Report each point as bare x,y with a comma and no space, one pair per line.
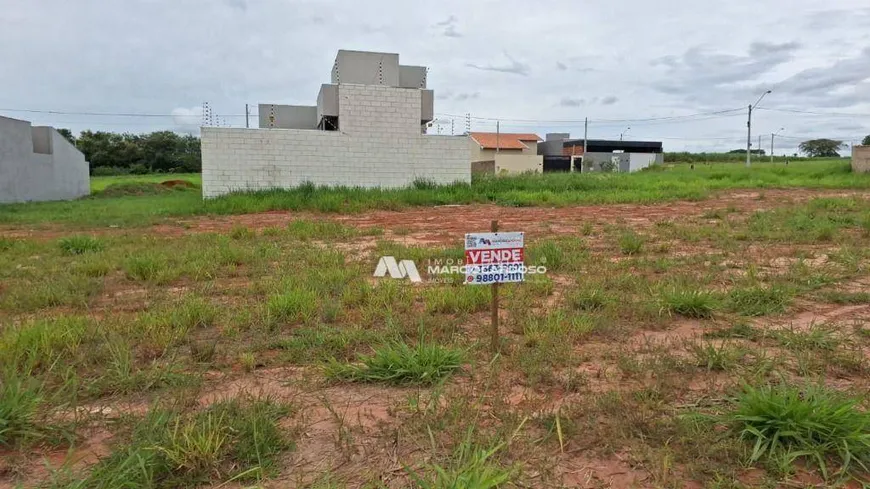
581,121
112,114
810,112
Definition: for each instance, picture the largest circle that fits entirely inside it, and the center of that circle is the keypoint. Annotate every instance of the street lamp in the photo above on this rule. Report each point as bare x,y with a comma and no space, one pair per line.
623,132
749,130
773,135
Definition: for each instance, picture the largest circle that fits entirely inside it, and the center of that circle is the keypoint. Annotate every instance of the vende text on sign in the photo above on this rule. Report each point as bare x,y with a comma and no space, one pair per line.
494,258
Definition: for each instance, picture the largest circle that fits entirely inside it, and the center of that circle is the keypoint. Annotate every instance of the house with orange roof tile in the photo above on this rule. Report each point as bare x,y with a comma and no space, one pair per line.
505,153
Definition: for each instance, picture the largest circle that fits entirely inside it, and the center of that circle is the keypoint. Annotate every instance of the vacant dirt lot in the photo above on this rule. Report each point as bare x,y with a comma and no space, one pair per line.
621,367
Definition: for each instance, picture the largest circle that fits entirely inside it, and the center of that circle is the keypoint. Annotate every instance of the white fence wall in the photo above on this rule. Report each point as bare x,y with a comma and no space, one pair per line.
379,145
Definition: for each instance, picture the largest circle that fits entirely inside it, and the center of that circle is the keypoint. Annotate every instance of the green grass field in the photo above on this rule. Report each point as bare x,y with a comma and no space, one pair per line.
100,183
712,343
553,190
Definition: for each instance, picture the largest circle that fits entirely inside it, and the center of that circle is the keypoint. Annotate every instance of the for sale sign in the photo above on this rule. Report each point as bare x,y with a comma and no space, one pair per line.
494,258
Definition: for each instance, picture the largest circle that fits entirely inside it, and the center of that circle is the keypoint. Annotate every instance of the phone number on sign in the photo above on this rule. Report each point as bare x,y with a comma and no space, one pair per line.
491,278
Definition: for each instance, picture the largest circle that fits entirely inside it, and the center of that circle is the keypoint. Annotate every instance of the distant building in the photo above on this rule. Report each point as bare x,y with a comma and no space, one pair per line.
564,154
37,163
367,130
505,153
860,159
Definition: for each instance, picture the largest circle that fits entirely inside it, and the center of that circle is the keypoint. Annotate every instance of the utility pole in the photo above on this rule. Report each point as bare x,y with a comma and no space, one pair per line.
749,138
771,146
247,112
585,142
773,135
759,143
749,130
497,136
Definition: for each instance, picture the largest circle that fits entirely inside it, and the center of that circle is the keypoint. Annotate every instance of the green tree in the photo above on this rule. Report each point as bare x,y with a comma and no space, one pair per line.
821,148
161,151
866,141
68,135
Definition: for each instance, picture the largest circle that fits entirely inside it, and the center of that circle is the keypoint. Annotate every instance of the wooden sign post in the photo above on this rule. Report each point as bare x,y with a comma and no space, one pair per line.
491,259
493,339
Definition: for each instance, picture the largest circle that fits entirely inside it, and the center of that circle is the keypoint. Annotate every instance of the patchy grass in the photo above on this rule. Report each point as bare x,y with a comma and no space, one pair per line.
814,338
457,299
139,201
710,356
399,363
235,439
172,319
757,300
743,331
839,297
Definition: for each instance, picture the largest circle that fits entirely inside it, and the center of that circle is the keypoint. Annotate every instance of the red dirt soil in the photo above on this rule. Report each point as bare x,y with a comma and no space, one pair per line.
444,224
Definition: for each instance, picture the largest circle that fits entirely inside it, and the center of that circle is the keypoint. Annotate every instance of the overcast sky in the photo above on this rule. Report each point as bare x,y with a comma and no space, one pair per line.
551,62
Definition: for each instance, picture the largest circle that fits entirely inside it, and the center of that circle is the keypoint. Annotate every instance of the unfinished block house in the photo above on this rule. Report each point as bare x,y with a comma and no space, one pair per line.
368,129
37,163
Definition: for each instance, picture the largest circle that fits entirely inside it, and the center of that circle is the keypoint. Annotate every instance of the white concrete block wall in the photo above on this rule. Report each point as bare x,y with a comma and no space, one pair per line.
378,144
58,172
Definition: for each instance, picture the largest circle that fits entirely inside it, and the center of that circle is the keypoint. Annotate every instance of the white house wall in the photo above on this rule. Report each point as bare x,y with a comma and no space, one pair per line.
58,172
510,164
379,144
639,161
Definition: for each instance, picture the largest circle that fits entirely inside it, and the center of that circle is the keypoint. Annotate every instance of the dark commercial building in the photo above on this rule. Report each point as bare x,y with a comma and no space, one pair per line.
564,154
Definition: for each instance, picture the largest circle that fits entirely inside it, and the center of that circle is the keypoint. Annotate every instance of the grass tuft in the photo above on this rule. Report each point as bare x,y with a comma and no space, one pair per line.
80,244
149,267
293,306
743,331
23,400
472,468
399,363
590,300
759,301
630,243
689,303
786,423
235,439
716,358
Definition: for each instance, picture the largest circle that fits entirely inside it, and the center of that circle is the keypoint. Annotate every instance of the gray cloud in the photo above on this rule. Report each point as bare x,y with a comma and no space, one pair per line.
447,22
449,25
451,31
159,61
513,66
578,102
825,80
702,67
466,96
459,97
